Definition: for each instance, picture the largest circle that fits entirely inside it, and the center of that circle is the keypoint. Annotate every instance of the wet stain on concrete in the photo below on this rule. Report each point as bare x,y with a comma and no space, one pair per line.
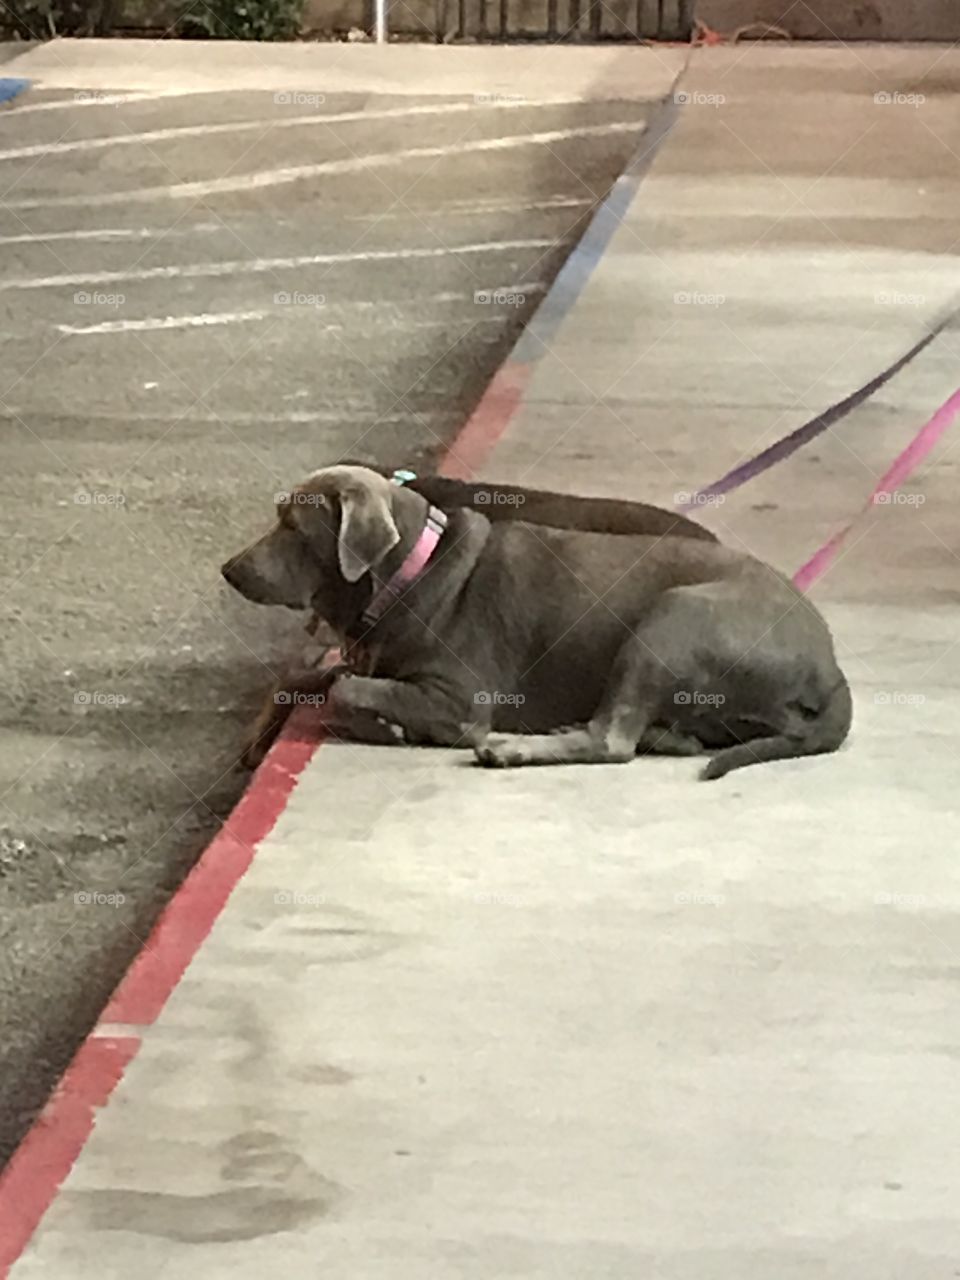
340,946
280,1193
323,1074
258,1157
423,791
334,935
243,1213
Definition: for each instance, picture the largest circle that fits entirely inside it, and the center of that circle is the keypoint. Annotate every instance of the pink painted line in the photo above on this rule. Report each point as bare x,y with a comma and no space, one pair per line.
190,914
901,469
45,1156
35,1172
488,422
32,1178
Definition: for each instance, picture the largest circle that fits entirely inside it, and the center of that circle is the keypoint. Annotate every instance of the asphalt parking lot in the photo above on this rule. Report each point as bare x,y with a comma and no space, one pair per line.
202,297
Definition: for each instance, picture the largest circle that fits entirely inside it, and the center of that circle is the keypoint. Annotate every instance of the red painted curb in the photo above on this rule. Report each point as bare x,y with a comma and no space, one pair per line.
488,422
44,1158
32,1178
30,1181
191,912
46,1155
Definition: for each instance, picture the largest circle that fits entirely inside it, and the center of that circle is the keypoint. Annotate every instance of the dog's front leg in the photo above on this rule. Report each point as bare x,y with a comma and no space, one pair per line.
421,713
301,688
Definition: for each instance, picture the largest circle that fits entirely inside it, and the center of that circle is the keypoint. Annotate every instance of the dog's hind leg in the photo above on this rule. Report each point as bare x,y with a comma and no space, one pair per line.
811,734
651,663
668,740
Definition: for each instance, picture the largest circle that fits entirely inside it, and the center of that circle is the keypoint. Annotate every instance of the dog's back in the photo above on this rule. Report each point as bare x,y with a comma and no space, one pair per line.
502,502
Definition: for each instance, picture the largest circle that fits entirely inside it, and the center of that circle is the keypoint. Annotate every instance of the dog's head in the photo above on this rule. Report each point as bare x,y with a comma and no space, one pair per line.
330,532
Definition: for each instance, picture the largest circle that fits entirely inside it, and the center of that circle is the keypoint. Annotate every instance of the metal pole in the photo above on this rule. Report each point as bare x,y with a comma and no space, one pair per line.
441,21
380,21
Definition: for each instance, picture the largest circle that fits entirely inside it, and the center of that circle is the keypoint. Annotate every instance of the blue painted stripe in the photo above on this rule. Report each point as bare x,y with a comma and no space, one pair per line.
10,88
578,268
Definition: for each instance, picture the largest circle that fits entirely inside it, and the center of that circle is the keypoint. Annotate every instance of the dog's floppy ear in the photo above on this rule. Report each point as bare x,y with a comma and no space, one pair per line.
367,528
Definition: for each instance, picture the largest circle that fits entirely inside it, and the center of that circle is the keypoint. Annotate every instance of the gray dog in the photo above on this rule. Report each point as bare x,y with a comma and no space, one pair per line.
542,646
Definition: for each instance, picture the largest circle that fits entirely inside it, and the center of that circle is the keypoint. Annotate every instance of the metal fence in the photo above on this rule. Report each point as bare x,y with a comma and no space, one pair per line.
563,20
443,21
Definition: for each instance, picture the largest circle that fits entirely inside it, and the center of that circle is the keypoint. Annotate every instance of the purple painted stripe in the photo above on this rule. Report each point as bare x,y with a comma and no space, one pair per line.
578,268
789,444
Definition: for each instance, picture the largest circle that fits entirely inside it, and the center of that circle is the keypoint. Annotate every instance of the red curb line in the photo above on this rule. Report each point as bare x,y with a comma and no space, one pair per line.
44,1158
30,1181
46,1155
190,914
488,422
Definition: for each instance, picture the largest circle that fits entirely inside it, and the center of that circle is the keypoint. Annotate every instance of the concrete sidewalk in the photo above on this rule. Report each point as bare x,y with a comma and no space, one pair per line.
613,1022
532,72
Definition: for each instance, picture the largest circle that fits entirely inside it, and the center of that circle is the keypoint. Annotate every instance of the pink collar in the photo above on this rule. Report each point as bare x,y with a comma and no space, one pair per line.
410,570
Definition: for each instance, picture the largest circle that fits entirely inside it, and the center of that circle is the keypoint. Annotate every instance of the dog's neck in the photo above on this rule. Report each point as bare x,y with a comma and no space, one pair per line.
357,607
414,563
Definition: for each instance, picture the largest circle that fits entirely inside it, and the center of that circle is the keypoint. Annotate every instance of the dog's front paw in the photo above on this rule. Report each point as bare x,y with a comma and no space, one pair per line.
472,734
254,753
505,751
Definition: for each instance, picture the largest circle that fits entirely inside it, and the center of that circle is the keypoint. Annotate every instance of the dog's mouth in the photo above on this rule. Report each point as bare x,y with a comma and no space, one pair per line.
320,630
243,575
233,574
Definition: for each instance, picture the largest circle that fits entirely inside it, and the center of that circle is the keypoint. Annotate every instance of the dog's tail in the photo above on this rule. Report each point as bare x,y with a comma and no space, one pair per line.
813,737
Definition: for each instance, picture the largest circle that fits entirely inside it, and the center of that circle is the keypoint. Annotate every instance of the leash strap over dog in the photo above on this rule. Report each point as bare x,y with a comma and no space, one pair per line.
415,563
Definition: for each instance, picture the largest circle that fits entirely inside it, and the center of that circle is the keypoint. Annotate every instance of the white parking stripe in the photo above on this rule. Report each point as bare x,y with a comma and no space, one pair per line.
526,286
119,233
390,312
242,317
356,164
165,322
92,98
367,415
473,208
251,126
195,270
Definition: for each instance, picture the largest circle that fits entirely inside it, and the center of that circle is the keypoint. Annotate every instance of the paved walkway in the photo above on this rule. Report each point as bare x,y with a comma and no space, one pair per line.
612,1022
532,72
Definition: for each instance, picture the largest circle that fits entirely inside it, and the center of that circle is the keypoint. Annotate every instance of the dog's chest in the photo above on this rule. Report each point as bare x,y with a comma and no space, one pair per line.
363,658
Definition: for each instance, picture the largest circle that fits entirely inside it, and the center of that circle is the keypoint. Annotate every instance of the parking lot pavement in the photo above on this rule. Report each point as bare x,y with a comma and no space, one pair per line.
557,1023
584,1022
202,297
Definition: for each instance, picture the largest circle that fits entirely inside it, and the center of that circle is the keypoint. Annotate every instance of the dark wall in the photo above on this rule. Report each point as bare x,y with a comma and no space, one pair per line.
840,19
545,19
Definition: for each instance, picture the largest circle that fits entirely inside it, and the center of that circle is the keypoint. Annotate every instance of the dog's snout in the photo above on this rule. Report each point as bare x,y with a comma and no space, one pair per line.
272,570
